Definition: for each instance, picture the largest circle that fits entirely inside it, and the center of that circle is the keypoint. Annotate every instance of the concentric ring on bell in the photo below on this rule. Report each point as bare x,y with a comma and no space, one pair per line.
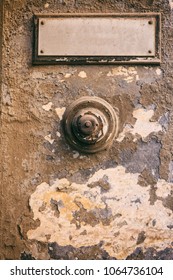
90,124
87,126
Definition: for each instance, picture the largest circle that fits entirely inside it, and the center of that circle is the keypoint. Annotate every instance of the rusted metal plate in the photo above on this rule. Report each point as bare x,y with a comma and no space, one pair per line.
97,38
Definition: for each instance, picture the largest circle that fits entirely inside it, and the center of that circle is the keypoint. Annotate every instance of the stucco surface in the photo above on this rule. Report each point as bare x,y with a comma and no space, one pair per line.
58,203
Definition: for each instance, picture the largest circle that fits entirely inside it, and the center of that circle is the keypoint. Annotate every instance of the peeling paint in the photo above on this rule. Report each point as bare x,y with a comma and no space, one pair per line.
145,159
60,112
116,210
137,77
129,74
47,107
49,139
82,75
67,75
58,134
143,125
102,211
46,5
75,155
171,4
158,71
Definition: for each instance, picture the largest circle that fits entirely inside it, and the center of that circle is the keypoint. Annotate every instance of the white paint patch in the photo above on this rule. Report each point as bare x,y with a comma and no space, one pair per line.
171,3
143,125
119,213
49,139
47,107
58,134
75,155
82,75
129,74
60,112
164,189
46,5
137,77
67,75
158,71
82,157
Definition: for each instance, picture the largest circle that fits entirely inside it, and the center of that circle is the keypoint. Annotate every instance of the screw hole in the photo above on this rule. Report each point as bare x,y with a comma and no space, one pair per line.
149,51
42,22
41,51
150,22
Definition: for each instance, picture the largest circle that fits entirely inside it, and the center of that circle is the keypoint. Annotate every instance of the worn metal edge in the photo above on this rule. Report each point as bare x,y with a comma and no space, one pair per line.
97,14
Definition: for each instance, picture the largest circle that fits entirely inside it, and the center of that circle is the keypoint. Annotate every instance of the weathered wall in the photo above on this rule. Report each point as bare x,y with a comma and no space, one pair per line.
58,203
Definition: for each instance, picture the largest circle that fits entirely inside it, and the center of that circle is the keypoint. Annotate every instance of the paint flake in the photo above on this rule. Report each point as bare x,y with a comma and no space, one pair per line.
143,125
67,75
82,75
158,71
60,112
49,139
58,134
129,73
171,3
47,107
75,155
116,205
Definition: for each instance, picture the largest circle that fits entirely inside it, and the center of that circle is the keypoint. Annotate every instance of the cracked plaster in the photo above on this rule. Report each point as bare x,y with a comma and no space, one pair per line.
115,209
115,215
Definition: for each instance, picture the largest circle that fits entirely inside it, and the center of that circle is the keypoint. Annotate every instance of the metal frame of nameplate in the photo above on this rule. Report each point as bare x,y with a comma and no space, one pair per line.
97,38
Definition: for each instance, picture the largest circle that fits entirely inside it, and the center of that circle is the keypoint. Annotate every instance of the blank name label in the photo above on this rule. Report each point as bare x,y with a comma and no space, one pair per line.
97,36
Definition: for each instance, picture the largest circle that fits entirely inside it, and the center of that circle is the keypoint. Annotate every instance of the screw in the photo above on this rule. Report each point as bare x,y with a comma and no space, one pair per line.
87,124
